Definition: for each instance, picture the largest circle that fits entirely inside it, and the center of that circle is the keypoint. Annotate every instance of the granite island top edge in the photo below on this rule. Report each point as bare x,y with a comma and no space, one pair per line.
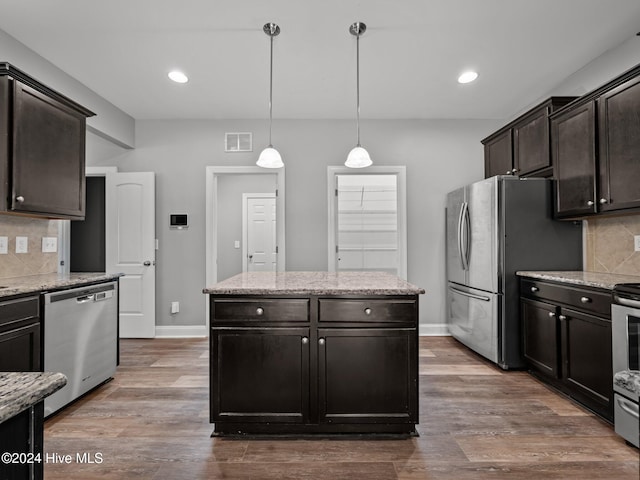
579,277
21,390
314,283
46,282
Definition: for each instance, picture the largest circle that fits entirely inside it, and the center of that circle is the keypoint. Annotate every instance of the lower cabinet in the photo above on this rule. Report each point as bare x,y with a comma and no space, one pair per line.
20,351
317,371
260,375
567,341
367,375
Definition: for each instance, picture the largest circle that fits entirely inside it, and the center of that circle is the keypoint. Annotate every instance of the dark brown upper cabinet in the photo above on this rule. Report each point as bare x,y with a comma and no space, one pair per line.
42,149
522,147
596,150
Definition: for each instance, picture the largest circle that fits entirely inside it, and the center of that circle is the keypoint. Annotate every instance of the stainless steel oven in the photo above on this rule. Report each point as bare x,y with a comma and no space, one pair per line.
625,319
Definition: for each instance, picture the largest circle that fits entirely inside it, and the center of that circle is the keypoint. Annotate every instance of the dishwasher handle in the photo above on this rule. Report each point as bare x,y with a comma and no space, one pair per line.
85,299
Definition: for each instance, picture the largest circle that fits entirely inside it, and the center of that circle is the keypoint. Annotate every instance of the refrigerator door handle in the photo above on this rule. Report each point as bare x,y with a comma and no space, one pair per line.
460,218
470,295
465,241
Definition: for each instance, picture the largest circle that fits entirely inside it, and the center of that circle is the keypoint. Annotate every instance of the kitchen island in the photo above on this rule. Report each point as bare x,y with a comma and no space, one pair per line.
313,353
21,421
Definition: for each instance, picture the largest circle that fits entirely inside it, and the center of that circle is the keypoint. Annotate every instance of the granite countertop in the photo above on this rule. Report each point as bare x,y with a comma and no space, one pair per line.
589,279
21,390
50,281
314,283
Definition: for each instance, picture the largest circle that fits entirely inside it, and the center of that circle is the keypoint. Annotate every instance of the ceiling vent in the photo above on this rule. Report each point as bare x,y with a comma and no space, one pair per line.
238,142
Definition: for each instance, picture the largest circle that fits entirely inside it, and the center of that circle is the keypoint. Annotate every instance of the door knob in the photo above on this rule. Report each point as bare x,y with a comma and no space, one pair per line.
603,201
562,317
534,289
260,311
305,340
367,311
20,199
552,314
590,203
321,341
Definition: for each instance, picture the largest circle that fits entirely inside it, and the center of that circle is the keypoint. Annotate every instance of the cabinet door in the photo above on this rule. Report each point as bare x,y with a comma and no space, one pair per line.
20,335
587,360
574,157
498,155
367,375
540,336
48,156
619,135
259,375
23,433
531,143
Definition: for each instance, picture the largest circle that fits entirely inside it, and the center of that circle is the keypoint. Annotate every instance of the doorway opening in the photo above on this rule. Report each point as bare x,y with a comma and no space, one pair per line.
226,247
367,220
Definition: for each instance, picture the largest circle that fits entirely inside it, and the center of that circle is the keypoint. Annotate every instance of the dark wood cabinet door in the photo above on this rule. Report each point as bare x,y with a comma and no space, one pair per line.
20,340
498,155
367,375
23,433
573,149
587,360
531,143
540,336
619,147
48,156
259,375
20,349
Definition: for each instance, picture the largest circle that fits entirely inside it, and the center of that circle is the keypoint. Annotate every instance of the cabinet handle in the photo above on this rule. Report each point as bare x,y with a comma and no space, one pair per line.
260,310
534,289
321,341
514,171
562,317
367,311
20,199
603,201
508,172
305,340
590,203
552,314
585,299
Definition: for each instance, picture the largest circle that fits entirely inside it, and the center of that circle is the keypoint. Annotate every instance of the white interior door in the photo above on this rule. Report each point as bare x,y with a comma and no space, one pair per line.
130,248
261,251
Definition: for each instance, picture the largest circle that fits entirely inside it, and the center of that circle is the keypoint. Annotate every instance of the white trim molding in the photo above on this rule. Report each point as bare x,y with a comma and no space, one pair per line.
433,330
181,331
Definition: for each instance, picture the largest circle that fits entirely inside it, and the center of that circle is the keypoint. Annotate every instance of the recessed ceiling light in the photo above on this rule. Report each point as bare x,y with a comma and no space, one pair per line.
467,77
178,77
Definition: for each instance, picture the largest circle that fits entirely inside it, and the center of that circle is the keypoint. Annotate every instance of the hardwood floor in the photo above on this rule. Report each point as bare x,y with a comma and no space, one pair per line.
476,422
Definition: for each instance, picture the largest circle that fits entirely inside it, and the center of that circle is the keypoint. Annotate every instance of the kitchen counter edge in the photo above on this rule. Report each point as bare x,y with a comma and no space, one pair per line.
50,282
21,390
588,279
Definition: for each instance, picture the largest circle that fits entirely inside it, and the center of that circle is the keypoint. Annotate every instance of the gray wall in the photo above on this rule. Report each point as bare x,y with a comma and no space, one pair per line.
110,122
439,156
230,190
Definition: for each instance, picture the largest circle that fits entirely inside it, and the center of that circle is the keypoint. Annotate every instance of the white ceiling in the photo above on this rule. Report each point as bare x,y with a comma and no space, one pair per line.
410,56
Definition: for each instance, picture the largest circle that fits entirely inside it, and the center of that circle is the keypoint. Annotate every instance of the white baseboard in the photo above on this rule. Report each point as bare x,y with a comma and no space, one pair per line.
181,331
434,330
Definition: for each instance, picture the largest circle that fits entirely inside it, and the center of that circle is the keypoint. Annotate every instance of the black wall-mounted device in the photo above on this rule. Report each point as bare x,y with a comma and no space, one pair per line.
178,221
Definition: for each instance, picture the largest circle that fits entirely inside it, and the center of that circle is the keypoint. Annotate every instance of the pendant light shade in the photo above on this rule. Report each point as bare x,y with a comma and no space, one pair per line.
270,157
358,157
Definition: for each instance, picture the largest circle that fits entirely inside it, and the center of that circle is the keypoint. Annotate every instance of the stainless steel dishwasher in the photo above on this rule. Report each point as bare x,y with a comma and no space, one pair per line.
80,339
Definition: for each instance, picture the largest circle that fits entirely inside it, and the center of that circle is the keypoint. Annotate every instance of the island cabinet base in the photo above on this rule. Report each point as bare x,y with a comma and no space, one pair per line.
300,365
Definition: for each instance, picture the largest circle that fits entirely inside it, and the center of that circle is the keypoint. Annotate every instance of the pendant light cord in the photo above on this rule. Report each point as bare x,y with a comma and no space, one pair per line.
270,90
358,87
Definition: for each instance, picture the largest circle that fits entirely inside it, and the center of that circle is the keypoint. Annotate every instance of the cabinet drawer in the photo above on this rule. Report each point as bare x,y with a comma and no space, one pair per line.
17,310
259,309
587,299
367,310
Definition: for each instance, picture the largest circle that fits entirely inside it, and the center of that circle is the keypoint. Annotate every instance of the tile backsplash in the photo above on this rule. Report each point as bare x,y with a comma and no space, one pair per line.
14,264
610,245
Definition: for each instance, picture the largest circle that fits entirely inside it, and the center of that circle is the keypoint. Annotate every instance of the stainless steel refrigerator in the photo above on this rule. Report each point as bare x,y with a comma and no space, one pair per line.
494,228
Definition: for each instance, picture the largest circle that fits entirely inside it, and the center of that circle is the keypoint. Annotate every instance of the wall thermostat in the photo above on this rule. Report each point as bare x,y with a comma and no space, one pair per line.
178,221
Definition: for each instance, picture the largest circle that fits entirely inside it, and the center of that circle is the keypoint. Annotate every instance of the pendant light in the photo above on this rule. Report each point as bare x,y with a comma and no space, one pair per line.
270,157
358,157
